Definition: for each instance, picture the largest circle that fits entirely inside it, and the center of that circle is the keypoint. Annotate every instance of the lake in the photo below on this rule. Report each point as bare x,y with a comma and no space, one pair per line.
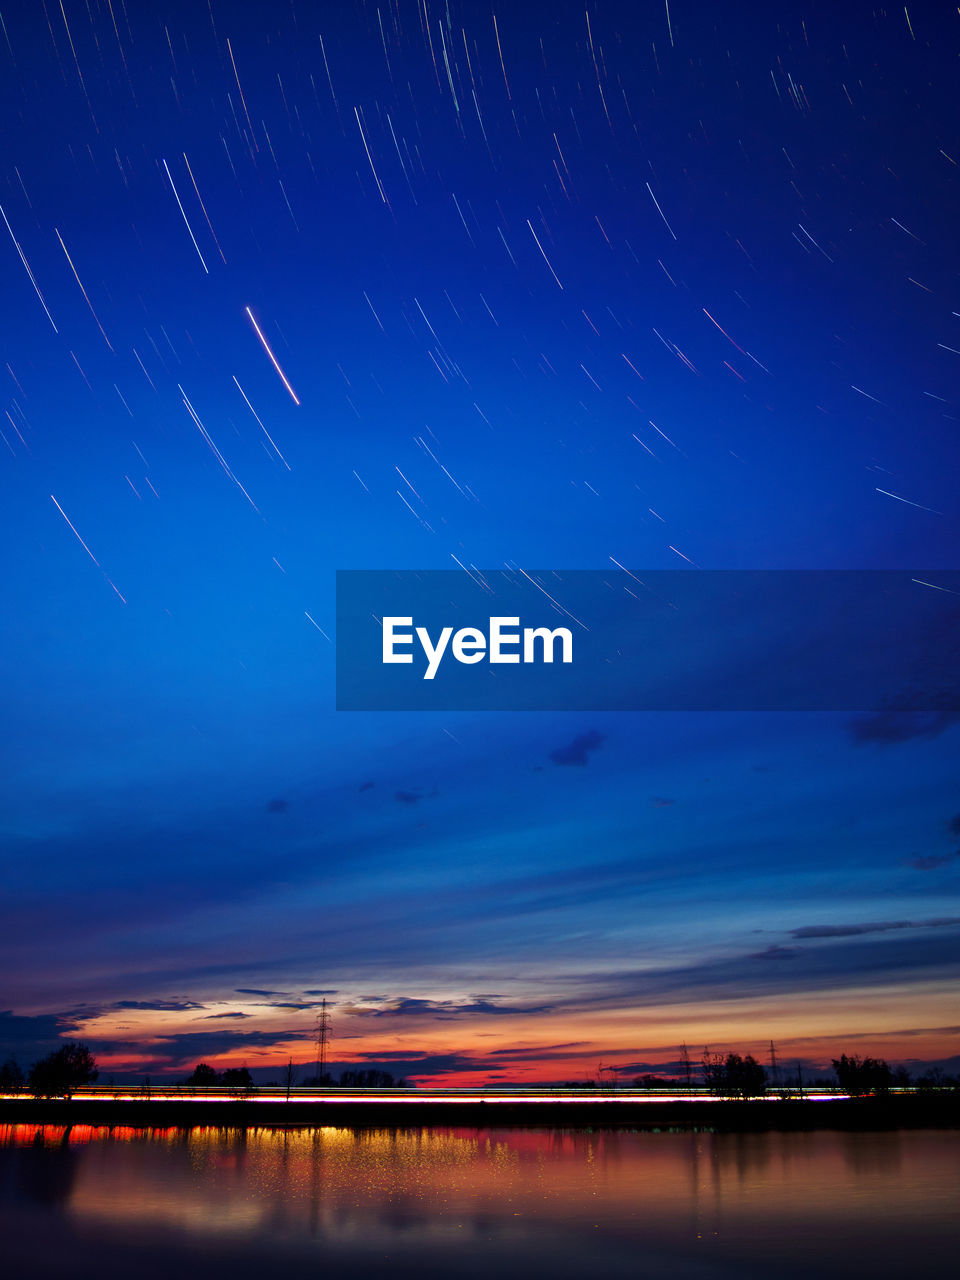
328,1202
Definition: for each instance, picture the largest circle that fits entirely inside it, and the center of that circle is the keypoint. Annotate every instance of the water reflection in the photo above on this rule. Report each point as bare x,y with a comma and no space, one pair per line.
449,1201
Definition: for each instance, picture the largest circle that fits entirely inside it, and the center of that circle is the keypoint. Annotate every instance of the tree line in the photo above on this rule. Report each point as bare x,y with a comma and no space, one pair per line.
239,1077
56,1075
66,1069
733,1075
736,1076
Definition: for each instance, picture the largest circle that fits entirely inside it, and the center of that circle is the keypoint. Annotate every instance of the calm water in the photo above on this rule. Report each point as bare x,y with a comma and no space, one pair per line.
452,1202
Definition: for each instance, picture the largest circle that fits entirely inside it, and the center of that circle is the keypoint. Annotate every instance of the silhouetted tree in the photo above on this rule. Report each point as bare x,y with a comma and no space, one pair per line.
932,1079
203,1075
237,1078
858,1075
370,1079
936,1078
734,1076
62,1071
651,1082
12,1079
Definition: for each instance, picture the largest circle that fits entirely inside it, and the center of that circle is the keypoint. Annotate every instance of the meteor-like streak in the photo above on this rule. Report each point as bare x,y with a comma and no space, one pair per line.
203,207
363,137
919,505
660,211
273,358
185,221
75,534
73,530
236,74
213,448
26,264
83,290
262,427
552,599
317,625
545,258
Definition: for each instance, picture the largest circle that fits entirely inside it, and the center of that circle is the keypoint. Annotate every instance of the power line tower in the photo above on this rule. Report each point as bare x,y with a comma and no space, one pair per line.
324,1027
774,1068
685,1063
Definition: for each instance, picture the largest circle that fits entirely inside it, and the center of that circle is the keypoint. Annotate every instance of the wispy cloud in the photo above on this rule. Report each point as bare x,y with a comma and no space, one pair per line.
890,727
413,1006
876,926
579,750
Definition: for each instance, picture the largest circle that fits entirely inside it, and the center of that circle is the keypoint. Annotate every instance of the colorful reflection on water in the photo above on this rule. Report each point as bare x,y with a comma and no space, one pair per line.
456,1202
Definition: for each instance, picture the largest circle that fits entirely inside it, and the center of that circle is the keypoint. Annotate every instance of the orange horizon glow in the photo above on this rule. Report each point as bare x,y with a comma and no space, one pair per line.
899,1022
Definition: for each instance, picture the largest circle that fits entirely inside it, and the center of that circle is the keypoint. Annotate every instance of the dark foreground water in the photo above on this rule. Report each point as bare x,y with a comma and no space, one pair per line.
451,1202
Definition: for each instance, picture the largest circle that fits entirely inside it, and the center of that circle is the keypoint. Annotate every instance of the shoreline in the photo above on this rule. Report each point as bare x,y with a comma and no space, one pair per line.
941,1111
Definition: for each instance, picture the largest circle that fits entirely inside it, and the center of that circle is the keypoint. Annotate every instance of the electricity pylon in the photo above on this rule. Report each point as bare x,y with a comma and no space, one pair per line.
774,1068
324,1027
685,1063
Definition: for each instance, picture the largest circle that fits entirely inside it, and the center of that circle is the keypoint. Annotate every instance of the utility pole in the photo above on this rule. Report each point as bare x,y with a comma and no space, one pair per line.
323,1035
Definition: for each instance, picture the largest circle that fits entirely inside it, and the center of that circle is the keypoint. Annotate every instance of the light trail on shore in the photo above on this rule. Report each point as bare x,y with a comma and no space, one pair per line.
412,1097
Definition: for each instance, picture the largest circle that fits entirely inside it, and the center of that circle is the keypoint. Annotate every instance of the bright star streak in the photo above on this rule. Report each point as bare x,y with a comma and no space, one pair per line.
83,290
273,358
186,223
76,535
29,272
262,427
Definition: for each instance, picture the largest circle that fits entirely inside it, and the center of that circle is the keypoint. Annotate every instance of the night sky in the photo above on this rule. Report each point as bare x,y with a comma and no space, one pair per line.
296,287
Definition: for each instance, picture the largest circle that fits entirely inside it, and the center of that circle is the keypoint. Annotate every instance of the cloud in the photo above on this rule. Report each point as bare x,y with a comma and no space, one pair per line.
953,825
412,1006
409,1064
255,991
844,961
775,953
27,1038
321,991
294,1004
578,751
927,862
888,727
413,1065
175,1052
414,797
176,1006
877,1033
209,1016
877,926
487,1006
546,1052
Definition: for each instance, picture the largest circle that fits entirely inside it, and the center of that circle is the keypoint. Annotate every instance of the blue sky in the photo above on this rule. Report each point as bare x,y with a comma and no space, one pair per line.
612,289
